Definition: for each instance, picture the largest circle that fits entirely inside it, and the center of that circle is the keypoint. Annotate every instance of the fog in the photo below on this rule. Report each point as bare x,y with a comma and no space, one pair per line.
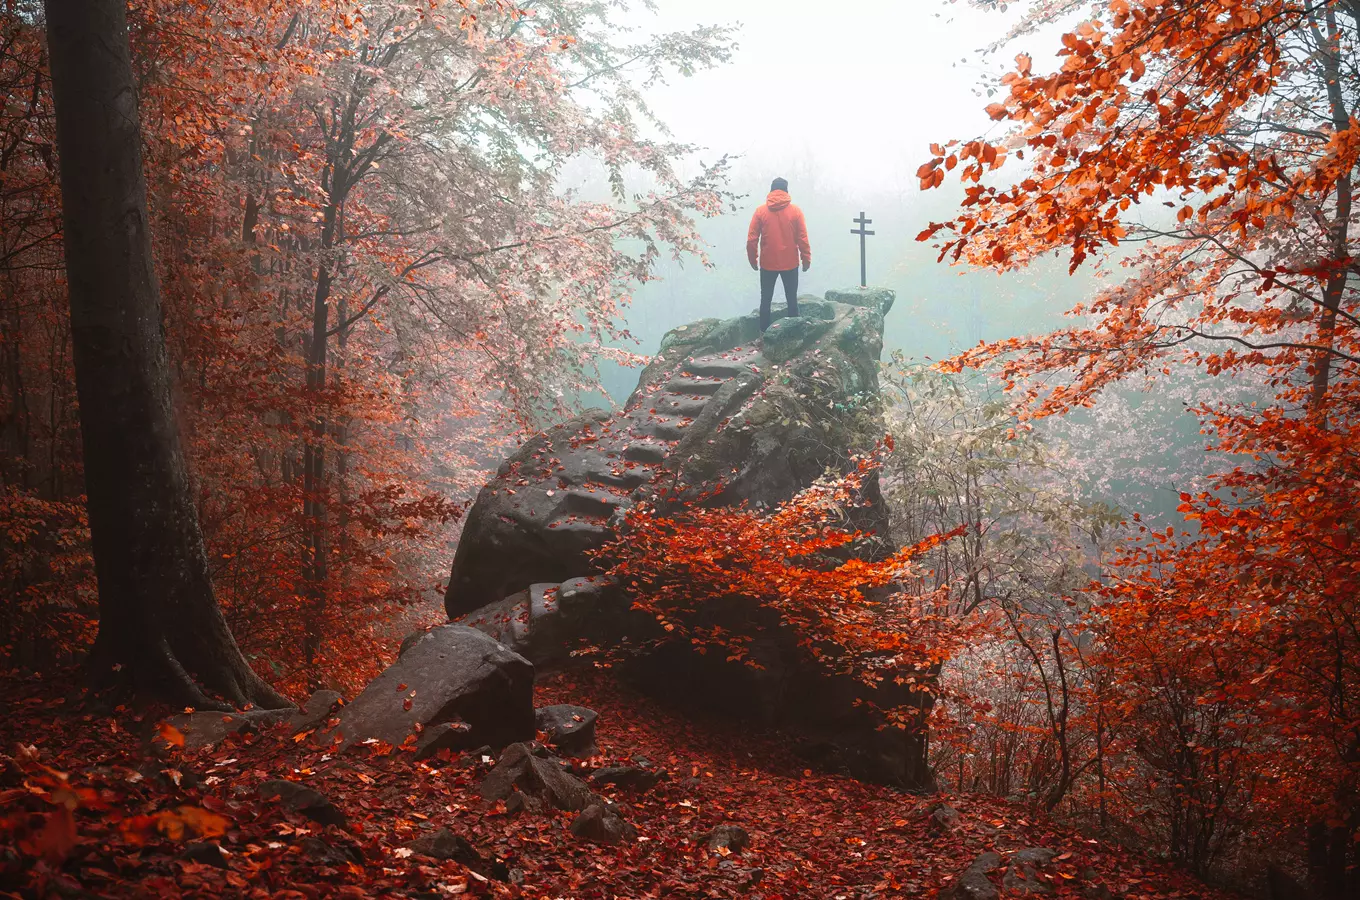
845,106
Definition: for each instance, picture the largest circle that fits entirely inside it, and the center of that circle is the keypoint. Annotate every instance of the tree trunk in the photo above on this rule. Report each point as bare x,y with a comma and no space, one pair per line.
160,628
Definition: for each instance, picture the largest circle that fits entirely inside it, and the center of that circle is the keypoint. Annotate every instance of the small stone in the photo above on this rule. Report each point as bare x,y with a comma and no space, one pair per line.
520,770
725,837
600,823
973,883
444,844
299,798
204,852
628,778
570,729
327,855
944,818
1022,874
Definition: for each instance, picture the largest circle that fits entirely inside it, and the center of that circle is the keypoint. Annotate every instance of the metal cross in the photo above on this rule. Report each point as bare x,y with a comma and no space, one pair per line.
863,233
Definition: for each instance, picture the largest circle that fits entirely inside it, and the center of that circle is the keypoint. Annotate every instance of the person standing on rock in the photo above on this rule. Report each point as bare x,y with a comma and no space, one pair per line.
776,243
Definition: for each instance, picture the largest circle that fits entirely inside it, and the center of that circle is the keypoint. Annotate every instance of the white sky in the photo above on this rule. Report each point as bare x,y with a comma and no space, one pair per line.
852,93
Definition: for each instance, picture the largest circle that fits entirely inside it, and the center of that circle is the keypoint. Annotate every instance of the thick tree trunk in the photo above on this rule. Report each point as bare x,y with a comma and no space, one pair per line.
160,627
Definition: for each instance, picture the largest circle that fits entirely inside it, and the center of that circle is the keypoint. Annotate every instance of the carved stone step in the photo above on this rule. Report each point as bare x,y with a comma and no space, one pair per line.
586,502
705,387
647,451
629,478
680,405
665,428
717,367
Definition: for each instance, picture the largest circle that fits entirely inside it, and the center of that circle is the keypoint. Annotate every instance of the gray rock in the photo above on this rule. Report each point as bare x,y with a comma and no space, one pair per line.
944,818
546,621
570,729
328,854
876,298
600,823
444,844
729,421
315,711
711,402
1022,874
208,729
520,772
204,852
973,883
628,778
450,673
409,641
299,798
728,837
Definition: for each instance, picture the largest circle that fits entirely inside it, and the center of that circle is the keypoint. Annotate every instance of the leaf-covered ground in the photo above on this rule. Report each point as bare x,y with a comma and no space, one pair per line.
135,817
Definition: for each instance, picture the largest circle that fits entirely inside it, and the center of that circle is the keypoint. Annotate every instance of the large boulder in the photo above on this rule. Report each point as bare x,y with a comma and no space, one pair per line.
721,415
720,408
451,673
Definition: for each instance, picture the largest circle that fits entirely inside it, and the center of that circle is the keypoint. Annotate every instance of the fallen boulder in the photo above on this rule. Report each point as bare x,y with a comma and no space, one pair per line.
540,781
315,711
600,823
444,844
208,729
450,673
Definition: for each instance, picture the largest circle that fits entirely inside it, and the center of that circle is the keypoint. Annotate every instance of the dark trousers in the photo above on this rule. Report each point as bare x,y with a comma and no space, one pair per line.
767,279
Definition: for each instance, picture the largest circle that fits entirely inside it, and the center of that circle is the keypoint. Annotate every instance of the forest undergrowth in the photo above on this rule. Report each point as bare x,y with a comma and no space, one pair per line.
99,804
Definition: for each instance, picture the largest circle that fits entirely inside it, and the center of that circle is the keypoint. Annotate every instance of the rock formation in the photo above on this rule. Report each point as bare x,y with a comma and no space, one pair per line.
713,408
721,414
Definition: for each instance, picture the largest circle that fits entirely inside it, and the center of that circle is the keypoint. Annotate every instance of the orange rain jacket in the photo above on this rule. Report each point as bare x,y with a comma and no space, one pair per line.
780,233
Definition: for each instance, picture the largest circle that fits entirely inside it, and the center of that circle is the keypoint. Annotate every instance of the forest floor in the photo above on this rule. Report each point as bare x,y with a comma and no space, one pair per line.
92,805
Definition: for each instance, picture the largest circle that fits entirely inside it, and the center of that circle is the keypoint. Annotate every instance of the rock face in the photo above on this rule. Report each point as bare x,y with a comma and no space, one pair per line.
720,412
207,729
448,673
715,407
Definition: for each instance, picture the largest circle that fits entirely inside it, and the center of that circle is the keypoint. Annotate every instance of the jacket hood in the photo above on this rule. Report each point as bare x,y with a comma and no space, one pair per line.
777,200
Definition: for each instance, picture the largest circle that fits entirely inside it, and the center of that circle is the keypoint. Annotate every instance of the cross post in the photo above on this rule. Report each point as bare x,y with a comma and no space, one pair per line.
863,233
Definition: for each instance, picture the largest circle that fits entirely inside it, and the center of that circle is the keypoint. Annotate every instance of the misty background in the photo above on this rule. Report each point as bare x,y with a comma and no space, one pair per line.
845,106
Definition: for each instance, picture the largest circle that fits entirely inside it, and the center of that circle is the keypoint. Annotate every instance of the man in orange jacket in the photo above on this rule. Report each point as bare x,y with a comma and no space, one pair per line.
775,243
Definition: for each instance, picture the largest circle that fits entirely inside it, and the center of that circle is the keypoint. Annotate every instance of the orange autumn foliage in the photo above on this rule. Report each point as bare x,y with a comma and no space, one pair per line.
360,237
1215,144
706,574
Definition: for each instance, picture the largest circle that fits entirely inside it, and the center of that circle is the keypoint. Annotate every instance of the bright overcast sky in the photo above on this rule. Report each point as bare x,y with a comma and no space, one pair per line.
854,94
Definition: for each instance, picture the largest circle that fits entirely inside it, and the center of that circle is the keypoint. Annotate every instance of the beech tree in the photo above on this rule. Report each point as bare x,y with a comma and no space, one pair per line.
160,626
1021,563
1215,142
